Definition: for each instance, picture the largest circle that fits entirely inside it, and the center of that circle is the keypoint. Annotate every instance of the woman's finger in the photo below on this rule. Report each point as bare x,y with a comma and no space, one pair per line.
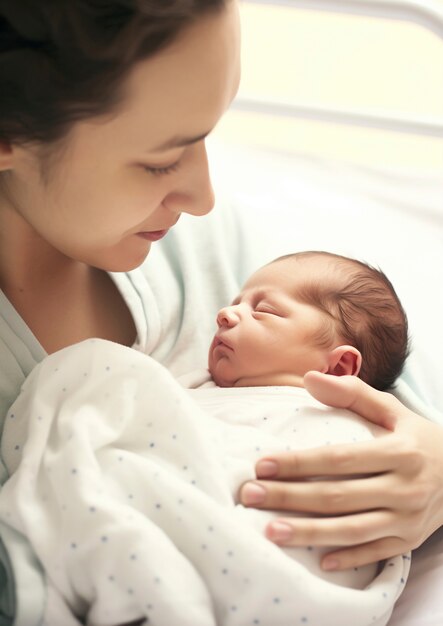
370,457
349,392
326,497
366,553
350,530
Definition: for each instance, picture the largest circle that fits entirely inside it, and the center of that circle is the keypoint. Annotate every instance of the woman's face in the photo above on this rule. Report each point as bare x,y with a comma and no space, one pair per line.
123,181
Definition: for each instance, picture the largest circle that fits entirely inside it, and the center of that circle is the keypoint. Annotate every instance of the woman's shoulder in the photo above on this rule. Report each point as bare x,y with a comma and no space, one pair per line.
19,349
19,354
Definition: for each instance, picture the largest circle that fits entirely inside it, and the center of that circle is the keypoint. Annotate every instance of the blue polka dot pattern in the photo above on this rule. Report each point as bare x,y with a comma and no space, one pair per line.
129,493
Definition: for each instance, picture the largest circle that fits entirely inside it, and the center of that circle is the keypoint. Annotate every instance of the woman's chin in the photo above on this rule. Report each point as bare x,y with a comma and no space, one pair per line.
123,262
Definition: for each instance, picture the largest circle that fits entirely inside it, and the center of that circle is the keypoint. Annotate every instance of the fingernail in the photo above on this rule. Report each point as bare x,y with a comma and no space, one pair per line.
266,469
278,531
253,494
329,564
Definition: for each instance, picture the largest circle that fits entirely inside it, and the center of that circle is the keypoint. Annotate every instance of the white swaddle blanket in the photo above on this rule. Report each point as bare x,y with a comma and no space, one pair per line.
126,489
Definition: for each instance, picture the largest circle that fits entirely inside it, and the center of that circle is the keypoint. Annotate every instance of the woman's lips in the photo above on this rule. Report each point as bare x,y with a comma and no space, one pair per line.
154,235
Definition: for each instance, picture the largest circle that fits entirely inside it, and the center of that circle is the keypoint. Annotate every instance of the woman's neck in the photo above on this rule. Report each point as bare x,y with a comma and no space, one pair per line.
28,262
63,301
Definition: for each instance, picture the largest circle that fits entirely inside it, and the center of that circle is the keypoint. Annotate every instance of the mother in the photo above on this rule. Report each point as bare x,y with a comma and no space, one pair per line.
104,110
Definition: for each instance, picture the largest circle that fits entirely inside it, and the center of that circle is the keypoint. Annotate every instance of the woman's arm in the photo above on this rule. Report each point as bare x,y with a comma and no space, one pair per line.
392,507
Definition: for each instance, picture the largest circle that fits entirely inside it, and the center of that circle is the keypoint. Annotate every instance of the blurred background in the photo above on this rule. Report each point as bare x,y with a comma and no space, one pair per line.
343,61
366,191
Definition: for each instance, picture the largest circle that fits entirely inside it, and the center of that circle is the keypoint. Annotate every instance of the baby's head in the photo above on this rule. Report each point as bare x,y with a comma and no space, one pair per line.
311,311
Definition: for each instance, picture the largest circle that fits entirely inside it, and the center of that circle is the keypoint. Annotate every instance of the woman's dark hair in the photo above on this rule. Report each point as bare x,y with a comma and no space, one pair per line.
62,61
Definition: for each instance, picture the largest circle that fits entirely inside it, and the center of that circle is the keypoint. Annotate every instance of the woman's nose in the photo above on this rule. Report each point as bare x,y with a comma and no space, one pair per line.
194,194
227,317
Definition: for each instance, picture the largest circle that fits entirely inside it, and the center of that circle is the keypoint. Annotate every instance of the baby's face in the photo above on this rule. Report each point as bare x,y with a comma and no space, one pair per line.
266,336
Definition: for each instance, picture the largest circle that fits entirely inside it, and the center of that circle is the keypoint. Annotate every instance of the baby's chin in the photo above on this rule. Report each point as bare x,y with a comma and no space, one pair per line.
223,381
220,377
217,367
220,381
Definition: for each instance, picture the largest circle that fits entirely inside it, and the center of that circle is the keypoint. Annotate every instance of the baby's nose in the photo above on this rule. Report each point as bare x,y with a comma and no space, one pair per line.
227,317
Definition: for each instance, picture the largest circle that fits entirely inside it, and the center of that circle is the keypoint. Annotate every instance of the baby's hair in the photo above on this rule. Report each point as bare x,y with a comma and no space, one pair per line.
364,310
63,61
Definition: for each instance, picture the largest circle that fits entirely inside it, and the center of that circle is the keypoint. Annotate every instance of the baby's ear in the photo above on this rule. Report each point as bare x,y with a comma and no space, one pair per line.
344,361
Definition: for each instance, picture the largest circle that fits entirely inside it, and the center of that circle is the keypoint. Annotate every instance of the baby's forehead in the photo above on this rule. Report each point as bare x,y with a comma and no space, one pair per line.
273,278
289,273
297,276
268,284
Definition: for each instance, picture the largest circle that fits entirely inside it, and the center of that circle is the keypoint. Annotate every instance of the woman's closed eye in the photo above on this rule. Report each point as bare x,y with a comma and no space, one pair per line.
162,170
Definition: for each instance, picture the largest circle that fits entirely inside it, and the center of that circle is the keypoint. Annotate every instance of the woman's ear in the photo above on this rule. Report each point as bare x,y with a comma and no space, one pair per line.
344,361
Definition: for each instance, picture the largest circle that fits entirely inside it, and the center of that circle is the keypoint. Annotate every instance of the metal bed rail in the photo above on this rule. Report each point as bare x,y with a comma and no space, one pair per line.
425,13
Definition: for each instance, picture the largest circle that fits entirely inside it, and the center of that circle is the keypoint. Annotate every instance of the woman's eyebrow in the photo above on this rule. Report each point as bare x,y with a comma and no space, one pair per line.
179,142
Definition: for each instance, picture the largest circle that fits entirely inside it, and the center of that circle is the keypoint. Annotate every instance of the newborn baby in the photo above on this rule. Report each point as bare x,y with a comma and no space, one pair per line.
126,484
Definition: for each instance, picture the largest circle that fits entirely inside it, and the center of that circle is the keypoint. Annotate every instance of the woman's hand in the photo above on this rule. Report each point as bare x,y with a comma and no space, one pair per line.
392,507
